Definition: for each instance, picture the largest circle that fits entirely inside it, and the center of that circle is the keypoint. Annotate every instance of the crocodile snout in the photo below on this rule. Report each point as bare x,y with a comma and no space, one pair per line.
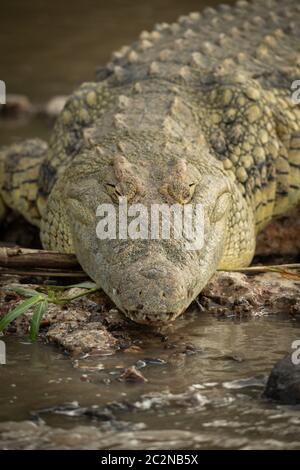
155,293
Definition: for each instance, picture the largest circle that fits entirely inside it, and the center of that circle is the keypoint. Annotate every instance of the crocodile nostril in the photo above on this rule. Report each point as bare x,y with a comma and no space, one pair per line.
153,273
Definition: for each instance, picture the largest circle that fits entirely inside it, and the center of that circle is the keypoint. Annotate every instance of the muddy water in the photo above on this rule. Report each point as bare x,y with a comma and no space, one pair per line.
213,388
48,48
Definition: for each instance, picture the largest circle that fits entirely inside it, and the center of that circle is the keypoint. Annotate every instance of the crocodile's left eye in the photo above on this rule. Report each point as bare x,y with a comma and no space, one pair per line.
221,206
181,191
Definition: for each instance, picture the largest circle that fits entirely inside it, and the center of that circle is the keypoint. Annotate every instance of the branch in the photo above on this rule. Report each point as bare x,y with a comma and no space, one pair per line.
23,261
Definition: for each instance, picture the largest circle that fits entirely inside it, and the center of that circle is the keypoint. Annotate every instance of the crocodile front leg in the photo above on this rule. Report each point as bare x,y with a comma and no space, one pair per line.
19,174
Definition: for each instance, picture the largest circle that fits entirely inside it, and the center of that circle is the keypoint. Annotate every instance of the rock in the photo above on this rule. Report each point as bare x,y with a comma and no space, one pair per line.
55,105
281,236
132,374
238,294
90,338
16,105
284,382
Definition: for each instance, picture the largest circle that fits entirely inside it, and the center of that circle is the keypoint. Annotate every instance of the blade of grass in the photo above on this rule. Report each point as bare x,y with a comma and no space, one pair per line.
39,311
81,285
82,294
23,291
19,310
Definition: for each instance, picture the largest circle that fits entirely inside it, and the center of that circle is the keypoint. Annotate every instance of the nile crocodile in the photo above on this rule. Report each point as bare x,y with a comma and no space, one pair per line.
197,111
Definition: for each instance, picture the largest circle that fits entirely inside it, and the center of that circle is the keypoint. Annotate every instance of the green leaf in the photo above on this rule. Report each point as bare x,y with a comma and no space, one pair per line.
39,311
84,285
19,310
26,292
81,285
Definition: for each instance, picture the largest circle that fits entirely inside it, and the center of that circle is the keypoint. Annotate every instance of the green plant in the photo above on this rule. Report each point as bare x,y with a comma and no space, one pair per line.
39,301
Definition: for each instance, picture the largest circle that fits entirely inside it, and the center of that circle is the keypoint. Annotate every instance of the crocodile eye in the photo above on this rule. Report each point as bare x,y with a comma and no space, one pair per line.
221,206
123,189
182,192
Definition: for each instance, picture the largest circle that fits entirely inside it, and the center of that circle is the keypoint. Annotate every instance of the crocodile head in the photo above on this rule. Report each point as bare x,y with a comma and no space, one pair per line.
152,280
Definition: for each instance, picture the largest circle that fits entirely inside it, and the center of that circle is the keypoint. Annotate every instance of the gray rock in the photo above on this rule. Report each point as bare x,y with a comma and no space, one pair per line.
284,382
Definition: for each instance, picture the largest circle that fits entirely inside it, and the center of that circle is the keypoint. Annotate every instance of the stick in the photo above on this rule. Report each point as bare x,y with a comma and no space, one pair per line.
262,269
24,261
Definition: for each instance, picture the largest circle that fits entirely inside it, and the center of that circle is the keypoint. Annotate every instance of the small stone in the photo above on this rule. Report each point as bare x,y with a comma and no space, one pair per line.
132,374
133,57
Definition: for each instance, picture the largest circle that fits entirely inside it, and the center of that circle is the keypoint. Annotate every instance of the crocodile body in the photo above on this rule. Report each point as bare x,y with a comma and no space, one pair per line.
198,111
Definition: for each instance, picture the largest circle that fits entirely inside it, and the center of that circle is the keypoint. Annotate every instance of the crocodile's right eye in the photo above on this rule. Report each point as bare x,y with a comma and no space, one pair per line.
124,189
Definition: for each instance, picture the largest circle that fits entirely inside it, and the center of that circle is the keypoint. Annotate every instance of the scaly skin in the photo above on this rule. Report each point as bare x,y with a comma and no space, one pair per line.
199,111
